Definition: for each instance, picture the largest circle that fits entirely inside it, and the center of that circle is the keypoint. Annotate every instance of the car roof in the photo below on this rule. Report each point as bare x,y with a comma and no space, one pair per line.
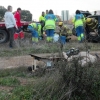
94,16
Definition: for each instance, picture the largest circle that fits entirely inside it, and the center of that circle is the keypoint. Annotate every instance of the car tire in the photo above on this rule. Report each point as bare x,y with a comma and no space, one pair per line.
3,36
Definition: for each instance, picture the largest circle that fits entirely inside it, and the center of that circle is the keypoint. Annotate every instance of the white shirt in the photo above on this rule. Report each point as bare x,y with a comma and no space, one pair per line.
9,20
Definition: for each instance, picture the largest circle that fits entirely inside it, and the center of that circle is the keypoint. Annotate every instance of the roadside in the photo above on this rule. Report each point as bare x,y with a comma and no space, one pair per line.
26,60
11,58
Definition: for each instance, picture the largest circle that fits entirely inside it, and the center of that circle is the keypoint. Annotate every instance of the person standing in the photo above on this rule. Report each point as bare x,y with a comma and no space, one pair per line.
78,21
19,32
46,12
95,12
10,24
49,27
42,21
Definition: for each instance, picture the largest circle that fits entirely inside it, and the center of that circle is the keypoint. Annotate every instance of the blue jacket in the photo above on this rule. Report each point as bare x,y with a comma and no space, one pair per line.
79,20
50,20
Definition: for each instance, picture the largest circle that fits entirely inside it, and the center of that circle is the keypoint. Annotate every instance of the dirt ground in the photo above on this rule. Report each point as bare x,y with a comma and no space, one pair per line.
6,88
25,60
13,62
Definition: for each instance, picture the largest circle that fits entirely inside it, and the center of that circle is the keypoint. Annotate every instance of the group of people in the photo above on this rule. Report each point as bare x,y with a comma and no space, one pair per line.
45,27
46,24
13,25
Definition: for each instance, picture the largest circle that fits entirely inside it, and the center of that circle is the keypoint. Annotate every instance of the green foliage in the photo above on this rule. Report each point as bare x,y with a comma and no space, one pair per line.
70,81
9,81
19,72
4,95
26,15
67,81
82,81
2,12
28,50
44,48
22,93
18,93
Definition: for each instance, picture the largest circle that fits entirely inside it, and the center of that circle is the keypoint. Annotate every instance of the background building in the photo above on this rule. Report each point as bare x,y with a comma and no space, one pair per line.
64,15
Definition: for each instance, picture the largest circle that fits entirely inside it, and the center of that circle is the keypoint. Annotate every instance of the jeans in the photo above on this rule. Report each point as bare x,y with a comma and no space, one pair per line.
42,25
80,33
79,30
62,39
50,32
11,33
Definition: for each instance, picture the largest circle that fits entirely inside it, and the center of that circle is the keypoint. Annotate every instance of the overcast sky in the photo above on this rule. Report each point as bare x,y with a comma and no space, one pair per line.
37,6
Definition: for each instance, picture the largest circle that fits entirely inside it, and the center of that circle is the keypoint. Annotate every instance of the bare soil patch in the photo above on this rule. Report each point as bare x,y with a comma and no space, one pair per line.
6,88
13,62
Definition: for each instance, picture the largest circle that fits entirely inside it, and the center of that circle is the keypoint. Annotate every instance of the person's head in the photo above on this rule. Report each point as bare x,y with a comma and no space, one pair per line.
50,11
46,11
87,11
9,8
43,14
77,12
19,10
95,12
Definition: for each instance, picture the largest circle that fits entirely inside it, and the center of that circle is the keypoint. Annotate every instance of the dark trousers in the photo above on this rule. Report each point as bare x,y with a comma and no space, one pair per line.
11,33
42,30
42,25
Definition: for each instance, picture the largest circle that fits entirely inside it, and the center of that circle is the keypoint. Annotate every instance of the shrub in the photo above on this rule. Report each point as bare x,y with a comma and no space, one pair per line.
83,82
9,81
70,81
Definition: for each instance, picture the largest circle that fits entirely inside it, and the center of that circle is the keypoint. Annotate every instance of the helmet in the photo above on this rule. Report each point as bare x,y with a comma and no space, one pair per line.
88,20
60,23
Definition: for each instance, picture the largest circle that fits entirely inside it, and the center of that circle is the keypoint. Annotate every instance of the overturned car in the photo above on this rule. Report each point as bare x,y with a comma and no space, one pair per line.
82,57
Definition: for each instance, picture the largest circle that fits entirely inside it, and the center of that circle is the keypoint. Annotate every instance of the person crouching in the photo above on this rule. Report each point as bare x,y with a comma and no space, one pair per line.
63,33
33,28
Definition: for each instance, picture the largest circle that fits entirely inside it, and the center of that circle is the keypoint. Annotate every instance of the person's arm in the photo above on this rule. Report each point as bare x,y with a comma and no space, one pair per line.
5,20
45,17
83,19
40,19
39,29
55,18
14,21
67,31
18,19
